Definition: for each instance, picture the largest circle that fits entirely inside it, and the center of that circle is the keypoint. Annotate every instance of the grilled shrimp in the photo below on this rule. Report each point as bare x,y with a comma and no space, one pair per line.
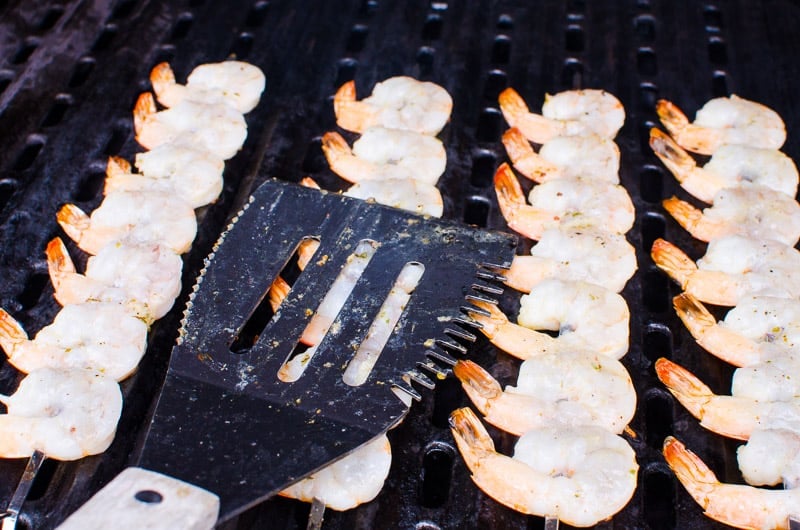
396,103
382,153
99,336
759,328
355,479
721,121
406,194
570,388
562,203
195,176
587,317
731,165
214,127
753,211
569,113
65,413
734,267
581,475
145,277
234,83
591,157
143,216
593,256
733,504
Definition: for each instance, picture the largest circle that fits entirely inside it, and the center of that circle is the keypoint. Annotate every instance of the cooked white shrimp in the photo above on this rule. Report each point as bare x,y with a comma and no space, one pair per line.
755,211
406,194
733,268
569,113
769,457
145,277
100,336
771,379
587,317
757,329
570,388
731,416
234,83
396,103
721,121
592,256
580,475
133,215
591,157
193,174
737,505
382,153
217,128
355,479
562,203
730,165
65,413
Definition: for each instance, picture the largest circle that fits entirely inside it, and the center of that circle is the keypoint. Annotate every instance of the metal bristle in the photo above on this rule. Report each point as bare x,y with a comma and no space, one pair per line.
408,389
451,346
441,357
460,333
435,369
479,298
491,289
421,378
487,265
470,322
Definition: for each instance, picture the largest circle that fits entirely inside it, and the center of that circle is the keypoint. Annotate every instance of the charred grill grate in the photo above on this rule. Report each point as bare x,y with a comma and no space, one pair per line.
71,71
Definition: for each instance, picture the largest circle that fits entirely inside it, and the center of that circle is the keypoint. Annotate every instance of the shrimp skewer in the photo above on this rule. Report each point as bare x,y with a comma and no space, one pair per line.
593,256
730,166
569,388
733,268
592,157
753,211
562,203
580,476
396,103
588,317
569,113
733,504
723,121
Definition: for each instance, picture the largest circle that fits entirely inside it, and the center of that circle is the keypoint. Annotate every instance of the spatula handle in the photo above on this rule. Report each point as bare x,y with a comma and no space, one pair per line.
141,499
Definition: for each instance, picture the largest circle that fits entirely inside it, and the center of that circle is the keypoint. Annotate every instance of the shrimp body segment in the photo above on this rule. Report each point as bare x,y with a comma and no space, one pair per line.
100,336
737,505
580,475
568,388
132,215
563,203
355,479
592,157
406,194
382,153
753,211
593,256
65,413
730,166
396,103
721,121
218,128
569,113
234,83
145,277
588,317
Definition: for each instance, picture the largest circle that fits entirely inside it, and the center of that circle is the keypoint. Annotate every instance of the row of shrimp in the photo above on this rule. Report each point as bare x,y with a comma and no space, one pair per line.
573,398
397,161
750,266
69,403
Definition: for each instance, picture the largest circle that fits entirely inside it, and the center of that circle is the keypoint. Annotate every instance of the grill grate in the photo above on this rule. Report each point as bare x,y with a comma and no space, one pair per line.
72,70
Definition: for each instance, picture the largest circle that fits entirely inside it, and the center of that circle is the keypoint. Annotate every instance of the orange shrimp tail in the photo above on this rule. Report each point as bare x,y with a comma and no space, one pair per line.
11,333
694,314
692,472
684,213
509,192
308,182
671,154
306,251
684,385
512,105
58,260
278,293
73,220
476,378
673,261
161,77
342,103
116,166
469,432
671,116
519,150
334,146
143,111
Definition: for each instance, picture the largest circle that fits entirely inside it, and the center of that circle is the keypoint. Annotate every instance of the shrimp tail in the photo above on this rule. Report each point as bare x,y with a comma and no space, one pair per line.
671,116
685,386
673,261
278,293
162,78
524,158
534,127
697,319
143,112
511,200
689,217
349,113
701,140
340,157
699,481
478,384
512,106
73,221
117,166
59,264
671,154
11,333
471,436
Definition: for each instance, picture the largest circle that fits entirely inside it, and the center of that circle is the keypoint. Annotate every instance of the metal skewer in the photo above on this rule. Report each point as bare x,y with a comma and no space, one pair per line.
11,514
315,516
550,523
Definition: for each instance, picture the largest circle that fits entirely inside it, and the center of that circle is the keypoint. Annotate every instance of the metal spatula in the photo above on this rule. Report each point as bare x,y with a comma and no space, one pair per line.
225,422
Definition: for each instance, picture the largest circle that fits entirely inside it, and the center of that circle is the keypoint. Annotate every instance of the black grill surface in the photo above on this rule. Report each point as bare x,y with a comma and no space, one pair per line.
71,71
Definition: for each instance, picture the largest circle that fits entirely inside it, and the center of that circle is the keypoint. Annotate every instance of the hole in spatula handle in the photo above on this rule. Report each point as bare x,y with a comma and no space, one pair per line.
148,497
